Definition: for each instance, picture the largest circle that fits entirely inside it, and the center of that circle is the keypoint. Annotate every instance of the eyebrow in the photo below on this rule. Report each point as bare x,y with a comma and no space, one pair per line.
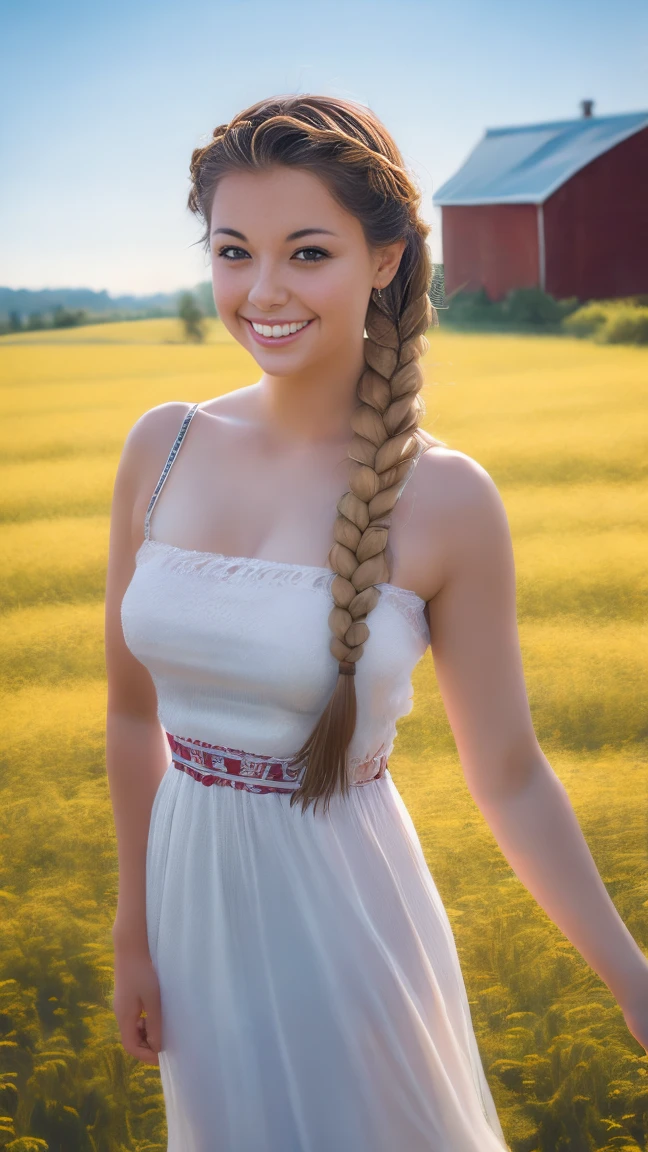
293,235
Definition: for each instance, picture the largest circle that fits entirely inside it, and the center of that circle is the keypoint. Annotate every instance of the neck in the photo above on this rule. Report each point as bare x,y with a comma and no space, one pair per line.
313,406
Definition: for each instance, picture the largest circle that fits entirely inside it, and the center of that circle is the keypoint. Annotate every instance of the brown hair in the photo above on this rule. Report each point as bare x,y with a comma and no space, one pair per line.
349,149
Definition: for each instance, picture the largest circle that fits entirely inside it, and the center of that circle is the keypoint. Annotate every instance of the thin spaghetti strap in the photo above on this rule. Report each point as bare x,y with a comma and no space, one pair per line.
167,467
422,448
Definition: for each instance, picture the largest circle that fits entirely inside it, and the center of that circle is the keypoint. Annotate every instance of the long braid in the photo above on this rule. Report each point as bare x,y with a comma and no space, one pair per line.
381,454
346,145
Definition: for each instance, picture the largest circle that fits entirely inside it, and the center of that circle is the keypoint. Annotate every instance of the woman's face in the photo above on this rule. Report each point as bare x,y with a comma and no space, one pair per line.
284,252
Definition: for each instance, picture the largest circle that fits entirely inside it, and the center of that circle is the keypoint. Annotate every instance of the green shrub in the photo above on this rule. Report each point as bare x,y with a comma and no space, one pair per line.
625,325
523,309
532,306
587,320
610,322
468,309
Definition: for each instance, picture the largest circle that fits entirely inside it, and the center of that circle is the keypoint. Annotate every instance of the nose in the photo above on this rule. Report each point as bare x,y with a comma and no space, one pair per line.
267,290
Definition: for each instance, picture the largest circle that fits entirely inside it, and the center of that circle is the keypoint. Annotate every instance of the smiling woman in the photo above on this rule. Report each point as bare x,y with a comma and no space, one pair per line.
276,920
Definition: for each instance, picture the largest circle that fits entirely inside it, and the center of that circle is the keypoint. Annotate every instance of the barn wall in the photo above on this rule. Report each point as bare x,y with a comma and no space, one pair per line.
490,245
596,226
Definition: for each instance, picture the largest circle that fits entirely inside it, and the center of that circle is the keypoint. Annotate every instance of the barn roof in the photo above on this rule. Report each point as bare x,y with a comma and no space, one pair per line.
526,164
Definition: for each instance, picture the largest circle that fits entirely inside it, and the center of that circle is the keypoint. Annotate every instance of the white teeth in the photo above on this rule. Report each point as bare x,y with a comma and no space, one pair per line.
279,329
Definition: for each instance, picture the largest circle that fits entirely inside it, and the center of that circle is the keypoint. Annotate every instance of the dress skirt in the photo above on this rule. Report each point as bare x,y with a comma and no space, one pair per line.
312,995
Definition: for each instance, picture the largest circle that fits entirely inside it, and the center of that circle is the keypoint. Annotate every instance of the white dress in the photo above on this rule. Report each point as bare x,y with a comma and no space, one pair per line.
312,996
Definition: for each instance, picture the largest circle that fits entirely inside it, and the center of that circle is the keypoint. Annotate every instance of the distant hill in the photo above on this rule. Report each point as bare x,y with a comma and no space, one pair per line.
26,301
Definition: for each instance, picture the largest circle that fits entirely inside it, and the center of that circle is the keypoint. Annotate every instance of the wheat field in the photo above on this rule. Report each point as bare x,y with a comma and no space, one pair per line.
560,425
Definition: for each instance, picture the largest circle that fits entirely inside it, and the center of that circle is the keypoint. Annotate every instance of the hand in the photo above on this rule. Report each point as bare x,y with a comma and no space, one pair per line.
137,990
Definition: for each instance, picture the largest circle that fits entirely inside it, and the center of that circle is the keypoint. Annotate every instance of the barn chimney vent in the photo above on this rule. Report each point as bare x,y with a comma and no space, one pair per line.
586,107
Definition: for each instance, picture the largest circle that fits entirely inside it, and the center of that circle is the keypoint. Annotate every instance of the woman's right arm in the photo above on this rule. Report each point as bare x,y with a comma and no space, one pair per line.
137,752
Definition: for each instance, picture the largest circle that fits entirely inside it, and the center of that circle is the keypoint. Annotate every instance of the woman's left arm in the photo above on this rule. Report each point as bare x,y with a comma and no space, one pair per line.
478,663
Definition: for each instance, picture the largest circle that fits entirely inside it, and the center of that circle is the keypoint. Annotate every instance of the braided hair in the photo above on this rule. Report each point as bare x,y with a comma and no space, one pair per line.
350,150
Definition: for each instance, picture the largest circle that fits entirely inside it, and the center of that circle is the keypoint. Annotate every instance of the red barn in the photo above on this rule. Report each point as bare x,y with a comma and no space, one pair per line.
562,206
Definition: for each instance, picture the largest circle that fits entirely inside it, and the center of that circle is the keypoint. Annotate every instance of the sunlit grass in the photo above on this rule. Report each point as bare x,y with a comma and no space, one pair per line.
78,486
51,644
562,510
597,574
560,425
540,411
53,561
586,682
165,330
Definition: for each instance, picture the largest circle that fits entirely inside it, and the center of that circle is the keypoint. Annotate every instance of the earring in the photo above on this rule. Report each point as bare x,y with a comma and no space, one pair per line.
379,291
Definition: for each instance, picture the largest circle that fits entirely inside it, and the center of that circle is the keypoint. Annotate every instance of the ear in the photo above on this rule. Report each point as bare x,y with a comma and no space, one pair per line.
389,258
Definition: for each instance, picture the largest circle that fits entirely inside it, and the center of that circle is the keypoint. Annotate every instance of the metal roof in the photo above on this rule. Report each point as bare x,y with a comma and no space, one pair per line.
526,164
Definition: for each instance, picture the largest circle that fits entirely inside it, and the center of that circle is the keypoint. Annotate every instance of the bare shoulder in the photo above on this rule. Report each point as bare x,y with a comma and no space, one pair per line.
144,454
156,429
458,511
151,437
454,482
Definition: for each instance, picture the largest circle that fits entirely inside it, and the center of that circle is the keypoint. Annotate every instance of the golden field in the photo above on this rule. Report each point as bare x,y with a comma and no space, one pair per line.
560,425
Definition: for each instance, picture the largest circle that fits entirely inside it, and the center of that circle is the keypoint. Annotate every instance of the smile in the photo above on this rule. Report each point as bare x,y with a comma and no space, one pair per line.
269,333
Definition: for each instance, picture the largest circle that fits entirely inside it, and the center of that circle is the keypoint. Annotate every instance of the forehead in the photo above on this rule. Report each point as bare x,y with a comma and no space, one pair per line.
279,198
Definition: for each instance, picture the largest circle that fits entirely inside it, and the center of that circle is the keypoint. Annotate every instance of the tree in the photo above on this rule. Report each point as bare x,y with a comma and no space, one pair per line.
205,296
192,317
68,318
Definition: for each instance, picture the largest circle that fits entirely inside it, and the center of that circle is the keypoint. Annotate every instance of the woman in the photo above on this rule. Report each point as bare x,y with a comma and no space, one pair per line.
281,930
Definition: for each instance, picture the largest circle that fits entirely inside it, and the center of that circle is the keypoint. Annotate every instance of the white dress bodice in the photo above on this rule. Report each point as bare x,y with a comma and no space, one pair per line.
239,651
238,648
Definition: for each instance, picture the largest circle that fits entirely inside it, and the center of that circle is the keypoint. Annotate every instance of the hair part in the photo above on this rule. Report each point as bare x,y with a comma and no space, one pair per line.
347,147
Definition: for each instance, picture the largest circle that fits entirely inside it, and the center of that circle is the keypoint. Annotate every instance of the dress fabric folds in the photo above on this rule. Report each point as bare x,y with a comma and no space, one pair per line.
312,995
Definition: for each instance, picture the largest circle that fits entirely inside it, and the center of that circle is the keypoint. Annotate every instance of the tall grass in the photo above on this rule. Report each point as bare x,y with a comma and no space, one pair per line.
559,424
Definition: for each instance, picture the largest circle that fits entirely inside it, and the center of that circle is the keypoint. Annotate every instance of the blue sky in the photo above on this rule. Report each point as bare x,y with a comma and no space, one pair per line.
104,101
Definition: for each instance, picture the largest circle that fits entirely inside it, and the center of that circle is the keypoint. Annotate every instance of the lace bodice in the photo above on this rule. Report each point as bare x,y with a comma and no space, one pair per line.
239,649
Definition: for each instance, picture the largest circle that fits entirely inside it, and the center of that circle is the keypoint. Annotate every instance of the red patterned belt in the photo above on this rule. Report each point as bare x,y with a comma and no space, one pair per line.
215,764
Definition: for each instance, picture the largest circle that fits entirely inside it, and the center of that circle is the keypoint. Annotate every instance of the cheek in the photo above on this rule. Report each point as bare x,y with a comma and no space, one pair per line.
227,290
340,297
